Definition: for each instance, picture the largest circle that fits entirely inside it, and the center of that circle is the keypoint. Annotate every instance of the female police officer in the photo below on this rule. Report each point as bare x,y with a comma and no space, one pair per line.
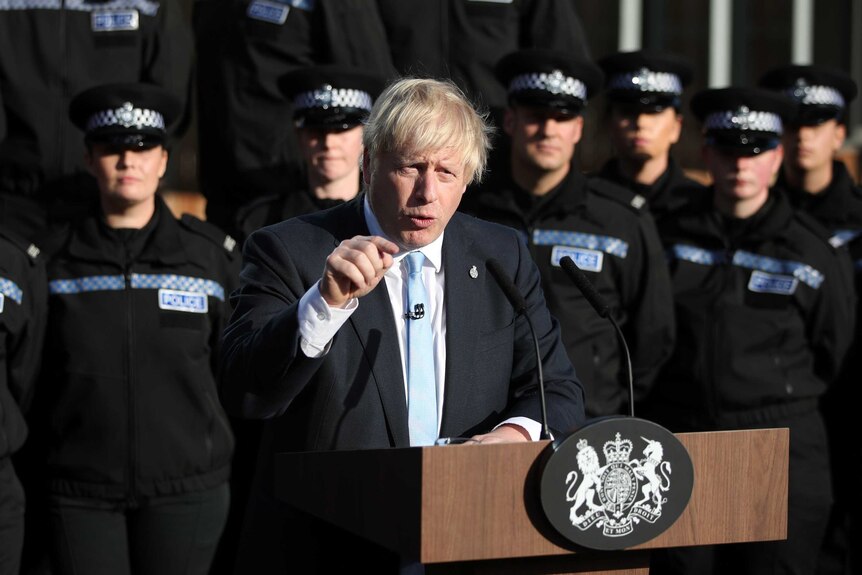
137,448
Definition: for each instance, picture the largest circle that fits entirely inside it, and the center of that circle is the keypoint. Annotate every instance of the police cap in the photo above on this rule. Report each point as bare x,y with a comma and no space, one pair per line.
128,115
744,121
822,93
645,80
549,79
331,96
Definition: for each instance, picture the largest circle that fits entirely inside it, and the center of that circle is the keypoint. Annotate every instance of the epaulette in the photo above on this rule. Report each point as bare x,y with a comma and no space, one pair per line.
25,246
619,194
211,232
814,226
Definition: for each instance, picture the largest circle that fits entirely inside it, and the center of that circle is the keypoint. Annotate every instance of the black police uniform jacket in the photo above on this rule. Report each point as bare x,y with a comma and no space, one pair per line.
272,209
50,51
839,209
129,396
23,306
764,310
666,195
610,234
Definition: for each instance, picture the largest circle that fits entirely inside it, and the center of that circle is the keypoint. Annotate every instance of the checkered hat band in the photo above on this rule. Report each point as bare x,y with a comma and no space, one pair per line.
335,98
740,258
555,83
138,281
11,290
744,120
127,117
607,244
647,81
816,96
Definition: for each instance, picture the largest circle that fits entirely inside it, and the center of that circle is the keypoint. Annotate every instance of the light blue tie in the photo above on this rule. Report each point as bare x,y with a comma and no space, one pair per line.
421,383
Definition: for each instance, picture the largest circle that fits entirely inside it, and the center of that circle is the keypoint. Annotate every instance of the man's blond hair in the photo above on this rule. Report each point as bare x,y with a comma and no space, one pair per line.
415,115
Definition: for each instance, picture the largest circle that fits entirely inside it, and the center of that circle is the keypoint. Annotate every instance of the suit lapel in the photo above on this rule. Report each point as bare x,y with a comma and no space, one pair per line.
375,328
463,298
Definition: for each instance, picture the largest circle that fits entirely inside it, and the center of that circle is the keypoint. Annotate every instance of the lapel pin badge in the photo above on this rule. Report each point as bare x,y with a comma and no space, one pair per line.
474,273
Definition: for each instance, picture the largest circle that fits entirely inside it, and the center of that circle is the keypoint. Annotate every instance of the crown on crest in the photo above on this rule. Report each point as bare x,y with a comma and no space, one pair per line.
618,450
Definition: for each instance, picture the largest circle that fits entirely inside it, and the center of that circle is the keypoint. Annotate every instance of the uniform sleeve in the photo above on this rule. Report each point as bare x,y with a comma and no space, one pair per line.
651,327
230,281
830,327
24,348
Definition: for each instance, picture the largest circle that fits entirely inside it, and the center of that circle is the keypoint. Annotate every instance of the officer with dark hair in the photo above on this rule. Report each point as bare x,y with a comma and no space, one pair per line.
644,119
23,306
764,308
50,51
136,447
818,184
329,105
604,228
245,47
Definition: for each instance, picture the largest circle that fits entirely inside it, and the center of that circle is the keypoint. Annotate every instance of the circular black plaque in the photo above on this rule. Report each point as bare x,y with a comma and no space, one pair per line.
615,483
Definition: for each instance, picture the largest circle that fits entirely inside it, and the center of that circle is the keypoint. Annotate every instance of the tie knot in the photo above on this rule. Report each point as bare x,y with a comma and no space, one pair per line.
415,260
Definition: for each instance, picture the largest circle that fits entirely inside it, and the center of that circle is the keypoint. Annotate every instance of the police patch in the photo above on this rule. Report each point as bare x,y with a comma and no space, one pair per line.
114,21
587,260
762,282
188,301
271,12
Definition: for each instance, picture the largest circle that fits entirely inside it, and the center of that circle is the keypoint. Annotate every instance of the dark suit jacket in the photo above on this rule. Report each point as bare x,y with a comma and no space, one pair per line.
353,397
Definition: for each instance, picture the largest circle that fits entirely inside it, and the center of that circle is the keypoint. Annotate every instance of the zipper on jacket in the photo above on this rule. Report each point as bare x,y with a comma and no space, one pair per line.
716,334
130,384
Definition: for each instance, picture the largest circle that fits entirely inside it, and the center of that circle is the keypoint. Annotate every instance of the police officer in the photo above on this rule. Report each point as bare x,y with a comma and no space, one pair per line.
605,229
23,305
644,119
50,51
815,182
329,105
244,48
764,309
137,448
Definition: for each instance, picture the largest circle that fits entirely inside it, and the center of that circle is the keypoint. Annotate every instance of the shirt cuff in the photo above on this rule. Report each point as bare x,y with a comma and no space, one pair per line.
318,322
534,428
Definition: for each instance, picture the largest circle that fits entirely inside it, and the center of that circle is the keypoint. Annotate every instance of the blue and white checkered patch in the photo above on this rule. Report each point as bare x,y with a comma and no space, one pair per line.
606,244
696,255
177,300
843,237
87,284
803,272
272,12
138,281
114,21
184,283
762,282
587,260
10,289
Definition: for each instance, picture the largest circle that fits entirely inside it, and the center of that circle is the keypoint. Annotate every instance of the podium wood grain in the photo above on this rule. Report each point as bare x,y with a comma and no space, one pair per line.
466,503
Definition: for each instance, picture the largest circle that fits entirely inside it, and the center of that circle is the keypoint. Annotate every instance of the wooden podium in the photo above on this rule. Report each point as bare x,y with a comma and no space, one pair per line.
475,508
